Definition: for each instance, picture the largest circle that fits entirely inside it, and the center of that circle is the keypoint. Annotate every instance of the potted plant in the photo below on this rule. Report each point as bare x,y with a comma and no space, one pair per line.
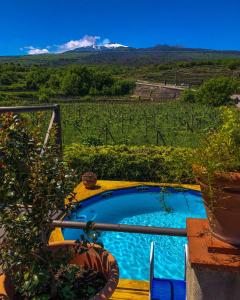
217,170
33,188
89,180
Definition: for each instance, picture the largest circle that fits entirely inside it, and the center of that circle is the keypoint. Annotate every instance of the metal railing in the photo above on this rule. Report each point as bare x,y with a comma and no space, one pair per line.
55,119
123,228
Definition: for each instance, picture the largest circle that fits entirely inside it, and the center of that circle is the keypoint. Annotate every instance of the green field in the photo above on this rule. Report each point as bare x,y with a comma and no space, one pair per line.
174,123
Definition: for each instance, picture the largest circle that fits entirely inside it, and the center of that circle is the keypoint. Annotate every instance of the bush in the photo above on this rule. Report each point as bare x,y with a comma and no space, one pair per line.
217,91
145,163
4,97
188,96
45,94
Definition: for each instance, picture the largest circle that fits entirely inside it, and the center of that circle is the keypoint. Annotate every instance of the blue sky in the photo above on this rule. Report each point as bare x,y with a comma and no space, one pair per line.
57,25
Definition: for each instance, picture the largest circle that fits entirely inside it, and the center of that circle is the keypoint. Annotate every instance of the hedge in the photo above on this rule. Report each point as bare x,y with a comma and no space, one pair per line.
133,163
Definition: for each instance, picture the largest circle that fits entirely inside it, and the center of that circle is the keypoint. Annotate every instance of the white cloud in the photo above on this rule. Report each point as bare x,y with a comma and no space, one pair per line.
35,51
38,51
86,41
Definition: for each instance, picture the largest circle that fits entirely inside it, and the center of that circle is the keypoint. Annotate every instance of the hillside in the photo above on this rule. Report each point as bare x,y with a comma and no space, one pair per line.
123,56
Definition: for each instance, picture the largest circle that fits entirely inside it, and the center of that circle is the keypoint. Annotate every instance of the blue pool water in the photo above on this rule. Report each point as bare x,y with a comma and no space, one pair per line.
148,207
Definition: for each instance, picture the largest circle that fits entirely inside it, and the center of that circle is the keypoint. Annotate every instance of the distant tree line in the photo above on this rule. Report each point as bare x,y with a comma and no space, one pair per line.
22,81
231,64
74,80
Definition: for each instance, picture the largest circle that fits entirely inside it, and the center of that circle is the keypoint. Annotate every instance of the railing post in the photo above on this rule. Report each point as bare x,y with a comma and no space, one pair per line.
57,122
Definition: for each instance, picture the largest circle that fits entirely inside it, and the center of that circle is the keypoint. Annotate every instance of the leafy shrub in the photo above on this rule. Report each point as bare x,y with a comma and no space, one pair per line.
42,181
188,96
220,149
45,94
217,91
145,163
3,97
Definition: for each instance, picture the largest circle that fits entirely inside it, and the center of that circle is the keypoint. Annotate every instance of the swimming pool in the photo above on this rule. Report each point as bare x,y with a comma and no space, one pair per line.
147,206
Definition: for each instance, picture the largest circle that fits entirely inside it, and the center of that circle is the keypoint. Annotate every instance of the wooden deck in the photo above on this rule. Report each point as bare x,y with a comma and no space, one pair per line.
131,290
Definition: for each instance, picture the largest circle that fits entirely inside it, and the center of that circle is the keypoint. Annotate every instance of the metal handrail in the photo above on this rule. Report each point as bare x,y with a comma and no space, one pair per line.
123,228
55,119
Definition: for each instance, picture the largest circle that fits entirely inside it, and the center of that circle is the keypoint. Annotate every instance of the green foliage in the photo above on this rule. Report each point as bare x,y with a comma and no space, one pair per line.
4,97
81,81
7,78
76,81
33,188
175,124
45,94
220,151
36,77
188,96
102,79
145,163
92,141
76,283
217,91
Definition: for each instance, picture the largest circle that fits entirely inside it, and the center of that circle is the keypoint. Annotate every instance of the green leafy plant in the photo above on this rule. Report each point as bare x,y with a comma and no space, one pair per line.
217,91
219,153
188,96
220,150
33,188
142,163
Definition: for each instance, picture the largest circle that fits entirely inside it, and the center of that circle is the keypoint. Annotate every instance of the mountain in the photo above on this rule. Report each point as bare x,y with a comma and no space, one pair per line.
113,53
96,48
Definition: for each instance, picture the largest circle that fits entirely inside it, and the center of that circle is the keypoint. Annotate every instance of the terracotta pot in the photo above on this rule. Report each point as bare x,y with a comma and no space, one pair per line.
89,180
222,203
103,262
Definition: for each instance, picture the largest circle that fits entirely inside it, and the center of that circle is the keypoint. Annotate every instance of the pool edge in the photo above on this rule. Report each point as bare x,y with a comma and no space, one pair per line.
105,185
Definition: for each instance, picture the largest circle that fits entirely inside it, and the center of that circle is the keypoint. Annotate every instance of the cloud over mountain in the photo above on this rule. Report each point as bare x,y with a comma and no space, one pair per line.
86,41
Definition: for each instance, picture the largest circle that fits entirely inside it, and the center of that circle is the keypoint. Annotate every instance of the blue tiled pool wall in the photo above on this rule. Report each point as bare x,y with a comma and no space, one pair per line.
124,191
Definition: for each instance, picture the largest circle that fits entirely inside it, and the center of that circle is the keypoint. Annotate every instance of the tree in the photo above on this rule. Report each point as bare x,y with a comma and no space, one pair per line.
76,81
217,91
72,85
36,77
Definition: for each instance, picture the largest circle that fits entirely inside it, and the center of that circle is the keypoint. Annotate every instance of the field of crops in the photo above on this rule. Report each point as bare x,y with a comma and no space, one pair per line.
173,123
